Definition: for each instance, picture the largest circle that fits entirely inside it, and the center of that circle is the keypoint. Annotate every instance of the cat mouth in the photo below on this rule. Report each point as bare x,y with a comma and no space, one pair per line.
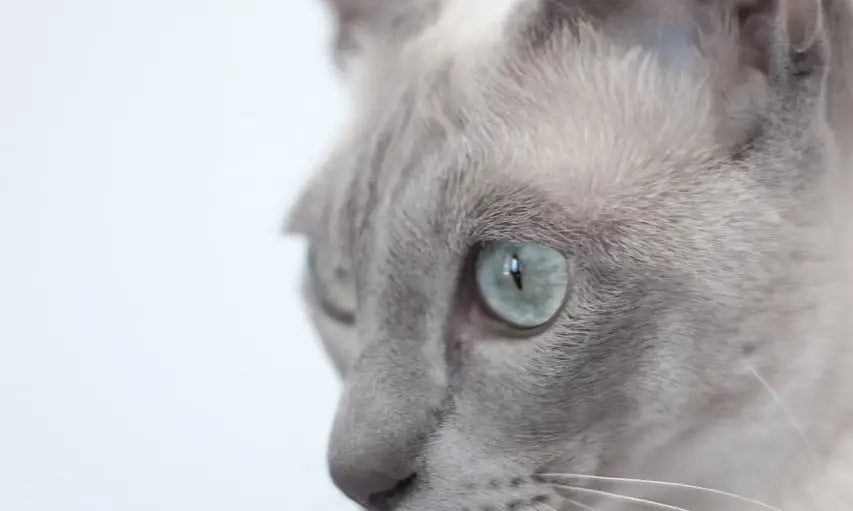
390,500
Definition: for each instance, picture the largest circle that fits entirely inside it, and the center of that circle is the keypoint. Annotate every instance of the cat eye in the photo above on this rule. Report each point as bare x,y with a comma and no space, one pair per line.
523,285
333,285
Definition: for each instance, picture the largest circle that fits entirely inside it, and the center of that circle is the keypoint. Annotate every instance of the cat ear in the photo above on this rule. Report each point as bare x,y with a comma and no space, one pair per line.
756,30
753,51
777,36
359,21
763,54
353,17
805,23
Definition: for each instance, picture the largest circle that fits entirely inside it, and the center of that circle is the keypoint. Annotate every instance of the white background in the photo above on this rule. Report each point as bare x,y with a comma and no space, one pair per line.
153,351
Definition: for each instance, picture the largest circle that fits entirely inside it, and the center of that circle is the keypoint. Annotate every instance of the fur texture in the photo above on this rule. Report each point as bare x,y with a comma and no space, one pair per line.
692,158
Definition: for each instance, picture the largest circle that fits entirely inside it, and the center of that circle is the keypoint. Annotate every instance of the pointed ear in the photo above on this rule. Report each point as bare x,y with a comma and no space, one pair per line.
353,17
764,54
779,36
361,20
760,25
805,23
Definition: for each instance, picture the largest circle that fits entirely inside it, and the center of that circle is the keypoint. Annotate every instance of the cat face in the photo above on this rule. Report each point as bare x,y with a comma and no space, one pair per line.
548,247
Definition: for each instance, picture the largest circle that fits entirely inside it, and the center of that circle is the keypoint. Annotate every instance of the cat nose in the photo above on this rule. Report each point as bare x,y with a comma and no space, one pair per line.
372,449
379,431
368,469
373,489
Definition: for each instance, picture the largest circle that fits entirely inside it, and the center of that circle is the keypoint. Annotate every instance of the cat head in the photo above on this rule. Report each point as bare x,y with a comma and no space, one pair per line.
553,232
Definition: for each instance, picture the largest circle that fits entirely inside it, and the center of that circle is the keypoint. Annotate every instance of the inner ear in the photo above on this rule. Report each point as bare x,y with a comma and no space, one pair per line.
753,26
759,50
769,30
759,27
805,23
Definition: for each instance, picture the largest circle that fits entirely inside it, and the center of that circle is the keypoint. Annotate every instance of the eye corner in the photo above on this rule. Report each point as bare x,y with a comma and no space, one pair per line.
332,284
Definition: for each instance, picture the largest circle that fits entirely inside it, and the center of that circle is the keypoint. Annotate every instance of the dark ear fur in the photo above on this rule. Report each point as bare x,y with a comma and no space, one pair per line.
806,48
838,15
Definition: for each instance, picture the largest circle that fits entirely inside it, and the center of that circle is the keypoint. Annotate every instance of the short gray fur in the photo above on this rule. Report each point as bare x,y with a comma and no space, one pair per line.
703,195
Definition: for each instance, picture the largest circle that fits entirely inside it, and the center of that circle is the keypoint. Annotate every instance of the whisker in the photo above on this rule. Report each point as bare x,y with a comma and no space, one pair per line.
541,506
787,410
667,484
580,505
626,498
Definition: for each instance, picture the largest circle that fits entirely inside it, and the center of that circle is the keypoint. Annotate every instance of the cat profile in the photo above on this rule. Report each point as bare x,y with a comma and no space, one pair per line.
590,254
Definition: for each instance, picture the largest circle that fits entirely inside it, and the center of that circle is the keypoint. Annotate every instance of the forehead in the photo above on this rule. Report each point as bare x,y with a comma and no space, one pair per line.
584,121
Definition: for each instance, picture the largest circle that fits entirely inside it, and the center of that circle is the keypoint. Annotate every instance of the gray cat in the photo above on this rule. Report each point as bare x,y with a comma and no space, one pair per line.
590,254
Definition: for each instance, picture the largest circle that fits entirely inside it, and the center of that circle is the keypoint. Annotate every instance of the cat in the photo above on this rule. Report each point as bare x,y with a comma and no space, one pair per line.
589,254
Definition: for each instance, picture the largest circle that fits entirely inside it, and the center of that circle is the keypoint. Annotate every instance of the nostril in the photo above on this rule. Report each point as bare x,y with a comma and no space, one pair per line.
377,490
386,500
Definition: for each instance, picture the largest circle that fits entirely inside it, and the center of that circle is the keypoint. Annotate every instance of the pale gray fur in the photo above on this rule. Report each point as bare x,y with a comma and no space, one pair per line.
705,203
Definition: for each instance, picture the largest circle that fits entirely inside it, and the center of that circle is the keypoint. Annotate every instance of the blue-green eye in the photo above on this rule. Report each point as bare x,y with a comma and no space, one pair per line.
333,284
524,285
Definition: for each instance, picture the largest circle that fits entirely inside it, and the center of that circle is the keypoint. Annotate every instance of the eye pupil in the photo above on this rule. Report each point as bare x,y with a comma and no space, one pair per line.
515,271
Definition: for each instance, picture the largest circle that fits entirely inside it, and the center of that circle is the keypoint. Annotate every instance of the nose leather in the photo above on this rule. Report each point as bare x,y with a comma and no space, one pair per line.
384,416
